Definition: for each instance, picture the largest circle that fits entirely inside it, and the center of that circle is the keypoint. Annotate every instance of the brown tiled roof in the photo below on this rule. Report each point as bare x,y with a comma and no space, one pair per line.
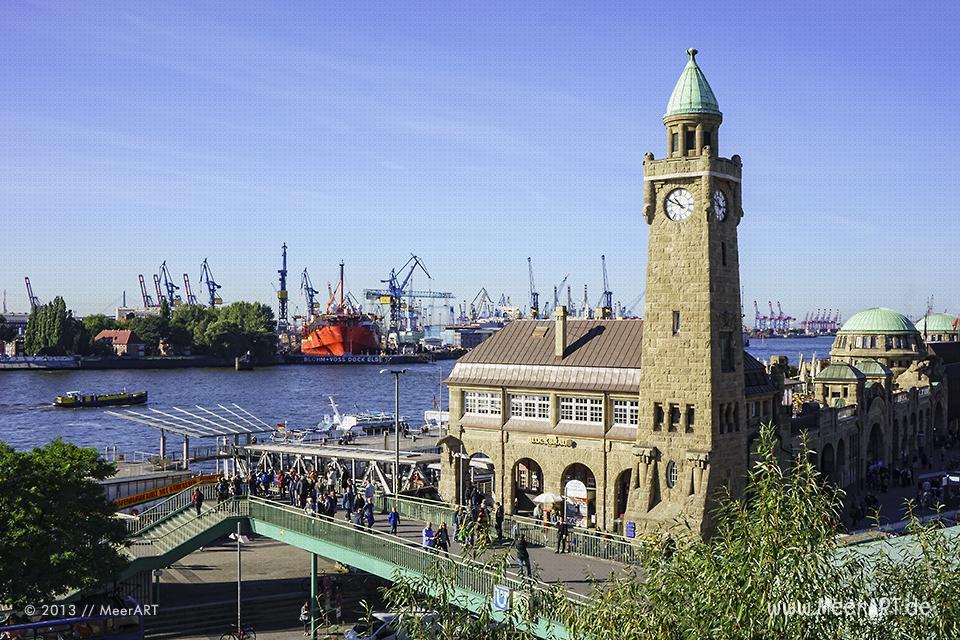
590,343
118,336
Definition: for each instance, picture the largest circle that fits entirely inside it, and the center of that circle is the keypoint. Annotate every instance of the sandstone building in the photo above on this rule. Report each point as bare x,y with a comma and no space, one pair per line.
640,423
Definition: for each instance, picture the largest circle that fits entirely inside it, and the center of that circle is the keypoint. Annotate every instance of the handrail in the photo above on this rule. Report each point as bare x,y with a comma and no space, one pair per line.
172,505
580,541
234,508
470,575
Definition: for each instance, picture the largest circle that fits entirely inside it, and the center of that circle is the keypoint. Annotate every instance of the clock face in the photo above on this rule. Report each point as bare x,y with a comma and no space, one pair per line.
719,206
679,204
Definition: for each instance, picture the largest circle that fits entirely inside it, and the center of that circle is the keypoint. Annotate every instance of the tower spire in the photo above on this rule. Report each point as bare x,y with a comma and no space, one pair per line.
693,114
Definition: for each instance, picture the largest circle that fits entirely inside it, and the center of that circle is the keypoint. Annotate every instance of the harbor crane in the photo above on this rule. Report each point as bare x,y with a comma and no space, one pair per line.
156,284
308,292
586,314
172,297
482,306
188,290
34,300
147,300
606,300
557,289
399,287
534,294
206,276
282,293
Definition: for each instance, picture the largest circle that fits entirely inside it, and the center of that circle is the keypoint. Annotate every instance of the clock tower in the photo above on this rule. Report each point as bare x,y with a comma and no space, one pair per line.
692,440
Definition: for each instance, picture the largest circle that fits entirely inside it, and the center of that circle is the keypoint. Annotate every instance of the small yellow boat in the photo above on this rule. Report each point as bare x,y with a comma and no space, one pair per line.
75,399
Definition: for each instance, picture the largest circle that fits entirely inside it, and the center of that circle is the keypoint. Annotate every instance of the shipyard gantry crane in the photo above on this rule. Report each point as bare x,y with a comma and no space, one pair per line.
34,300
534,294
399,288
482,306
282,293
606,301
172,297
206,277
188,290
308,292
557,289
147,300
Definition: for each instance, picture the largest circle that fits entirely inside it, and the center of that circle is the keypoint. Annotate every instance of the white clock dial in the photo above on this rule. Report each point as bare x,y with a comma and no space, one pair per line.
679,204
719,206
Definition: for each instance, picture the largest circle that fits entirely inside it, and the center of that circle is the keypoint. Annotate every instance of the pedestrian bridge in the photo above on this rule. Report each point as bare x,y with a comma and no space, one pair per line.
171,530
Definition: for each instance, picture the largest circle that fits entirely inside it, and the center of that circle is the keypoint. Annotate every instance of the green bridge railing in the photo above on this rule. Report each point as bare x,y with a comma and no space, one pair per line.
580,541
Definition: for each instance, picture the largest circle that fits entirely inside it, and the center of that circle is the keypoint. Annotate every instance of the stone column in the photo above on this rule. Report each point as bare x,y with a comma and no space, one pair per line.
698,139
683,139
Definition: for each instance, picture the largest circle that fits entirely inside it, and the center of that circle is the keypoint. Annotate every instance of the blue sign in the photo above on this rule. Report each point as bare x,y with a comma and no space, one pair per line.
631,531
501,598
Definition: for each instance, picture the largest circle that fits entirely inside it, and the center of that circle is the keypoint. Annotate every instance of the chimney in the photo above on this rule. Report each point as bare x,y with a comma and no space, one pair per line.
560,330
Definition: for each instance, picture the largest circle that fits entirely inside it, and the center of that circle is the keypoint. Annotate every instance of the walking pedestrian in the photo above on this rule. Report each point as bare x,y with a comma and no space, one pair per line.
523,555
563,530
442,539
498,520
428,536
394,520
197,500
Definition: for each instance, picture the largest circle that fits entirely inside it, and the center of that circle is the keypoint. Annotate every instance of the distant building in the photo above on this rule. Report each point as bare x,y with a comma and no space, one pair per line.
128,313
124,342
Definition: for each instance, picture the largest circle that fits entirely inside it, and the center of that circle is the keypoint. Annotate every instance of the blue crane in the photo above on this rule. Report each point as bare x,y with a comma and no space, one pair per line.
207,277
308,291
397,289
534,294
172,297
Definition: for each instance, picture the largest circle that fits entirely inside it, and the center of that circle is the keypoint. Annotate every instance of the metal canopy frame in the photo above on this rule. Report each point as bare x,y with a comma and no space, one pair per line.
227,422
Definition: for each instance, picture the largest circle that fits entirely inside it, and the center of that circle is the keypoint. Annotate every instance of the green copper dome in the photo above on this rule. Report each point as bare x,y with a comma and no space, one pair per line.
878,320
938,323
692,93
873,369
839,372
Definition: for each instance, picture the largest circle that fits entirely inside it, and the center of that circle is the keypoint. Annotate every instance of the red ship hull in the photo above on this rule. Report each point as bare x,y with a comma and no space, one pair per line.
336,339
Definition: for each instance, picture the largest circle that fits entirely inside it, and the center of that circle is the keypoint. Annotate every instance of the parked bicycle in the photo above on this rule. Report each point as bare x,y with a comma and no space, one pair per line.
246,633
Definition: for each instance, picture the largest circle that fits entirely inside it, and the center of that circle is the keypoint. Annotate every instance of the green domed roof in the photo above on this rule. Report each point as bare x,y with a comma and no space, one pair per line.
839,371
873,369
938,323
878,320
692,93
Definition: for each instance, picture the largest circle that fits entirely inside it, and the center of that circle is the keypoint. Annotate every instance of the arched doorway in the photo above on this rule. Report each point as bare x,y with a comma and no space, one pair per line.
875,444
912,441
481,478
528,484
579,488
621,494
841,463
895,452
939,423
828,463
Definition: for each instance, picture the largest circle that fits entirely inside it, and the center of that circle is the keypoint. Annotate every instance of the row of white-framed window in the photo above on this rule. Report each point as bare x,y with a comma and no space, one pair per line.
626,413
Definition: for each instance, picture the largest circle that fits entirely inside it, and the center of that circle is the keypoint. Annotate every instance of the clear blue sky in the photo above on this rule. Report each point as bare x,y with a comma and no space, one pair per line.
475,135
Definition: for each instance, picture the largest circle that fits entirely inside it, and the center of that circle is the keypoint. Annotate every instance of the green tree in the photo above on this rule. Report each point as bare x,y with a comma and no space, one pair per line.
51,330
193,320
242,327
151,330
98,322
56,525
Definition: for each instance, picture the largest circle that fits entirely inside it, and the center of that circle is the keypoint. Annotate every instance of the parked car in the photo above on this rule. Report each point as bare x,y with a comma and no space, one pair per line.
385,625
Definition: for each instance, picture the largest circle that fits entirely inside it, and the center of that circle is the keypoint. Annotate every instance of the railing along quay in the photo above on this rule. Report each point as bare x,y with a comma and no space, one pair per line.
169,507
469,575
580,541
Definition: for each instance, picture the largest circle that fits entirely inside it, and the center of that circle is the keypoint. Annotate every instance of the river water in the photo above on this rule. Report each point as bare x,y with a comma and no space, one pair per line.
294,393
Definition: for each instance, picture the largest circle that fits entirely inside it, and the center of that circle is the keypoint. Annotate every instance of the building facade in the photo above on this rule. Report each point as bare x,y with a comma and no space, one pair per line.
882,401
566,407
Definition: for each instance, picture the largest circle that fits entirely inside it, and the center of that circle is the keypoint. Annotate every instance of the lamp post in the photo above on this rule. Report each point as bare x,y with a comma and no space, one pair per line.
396,426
